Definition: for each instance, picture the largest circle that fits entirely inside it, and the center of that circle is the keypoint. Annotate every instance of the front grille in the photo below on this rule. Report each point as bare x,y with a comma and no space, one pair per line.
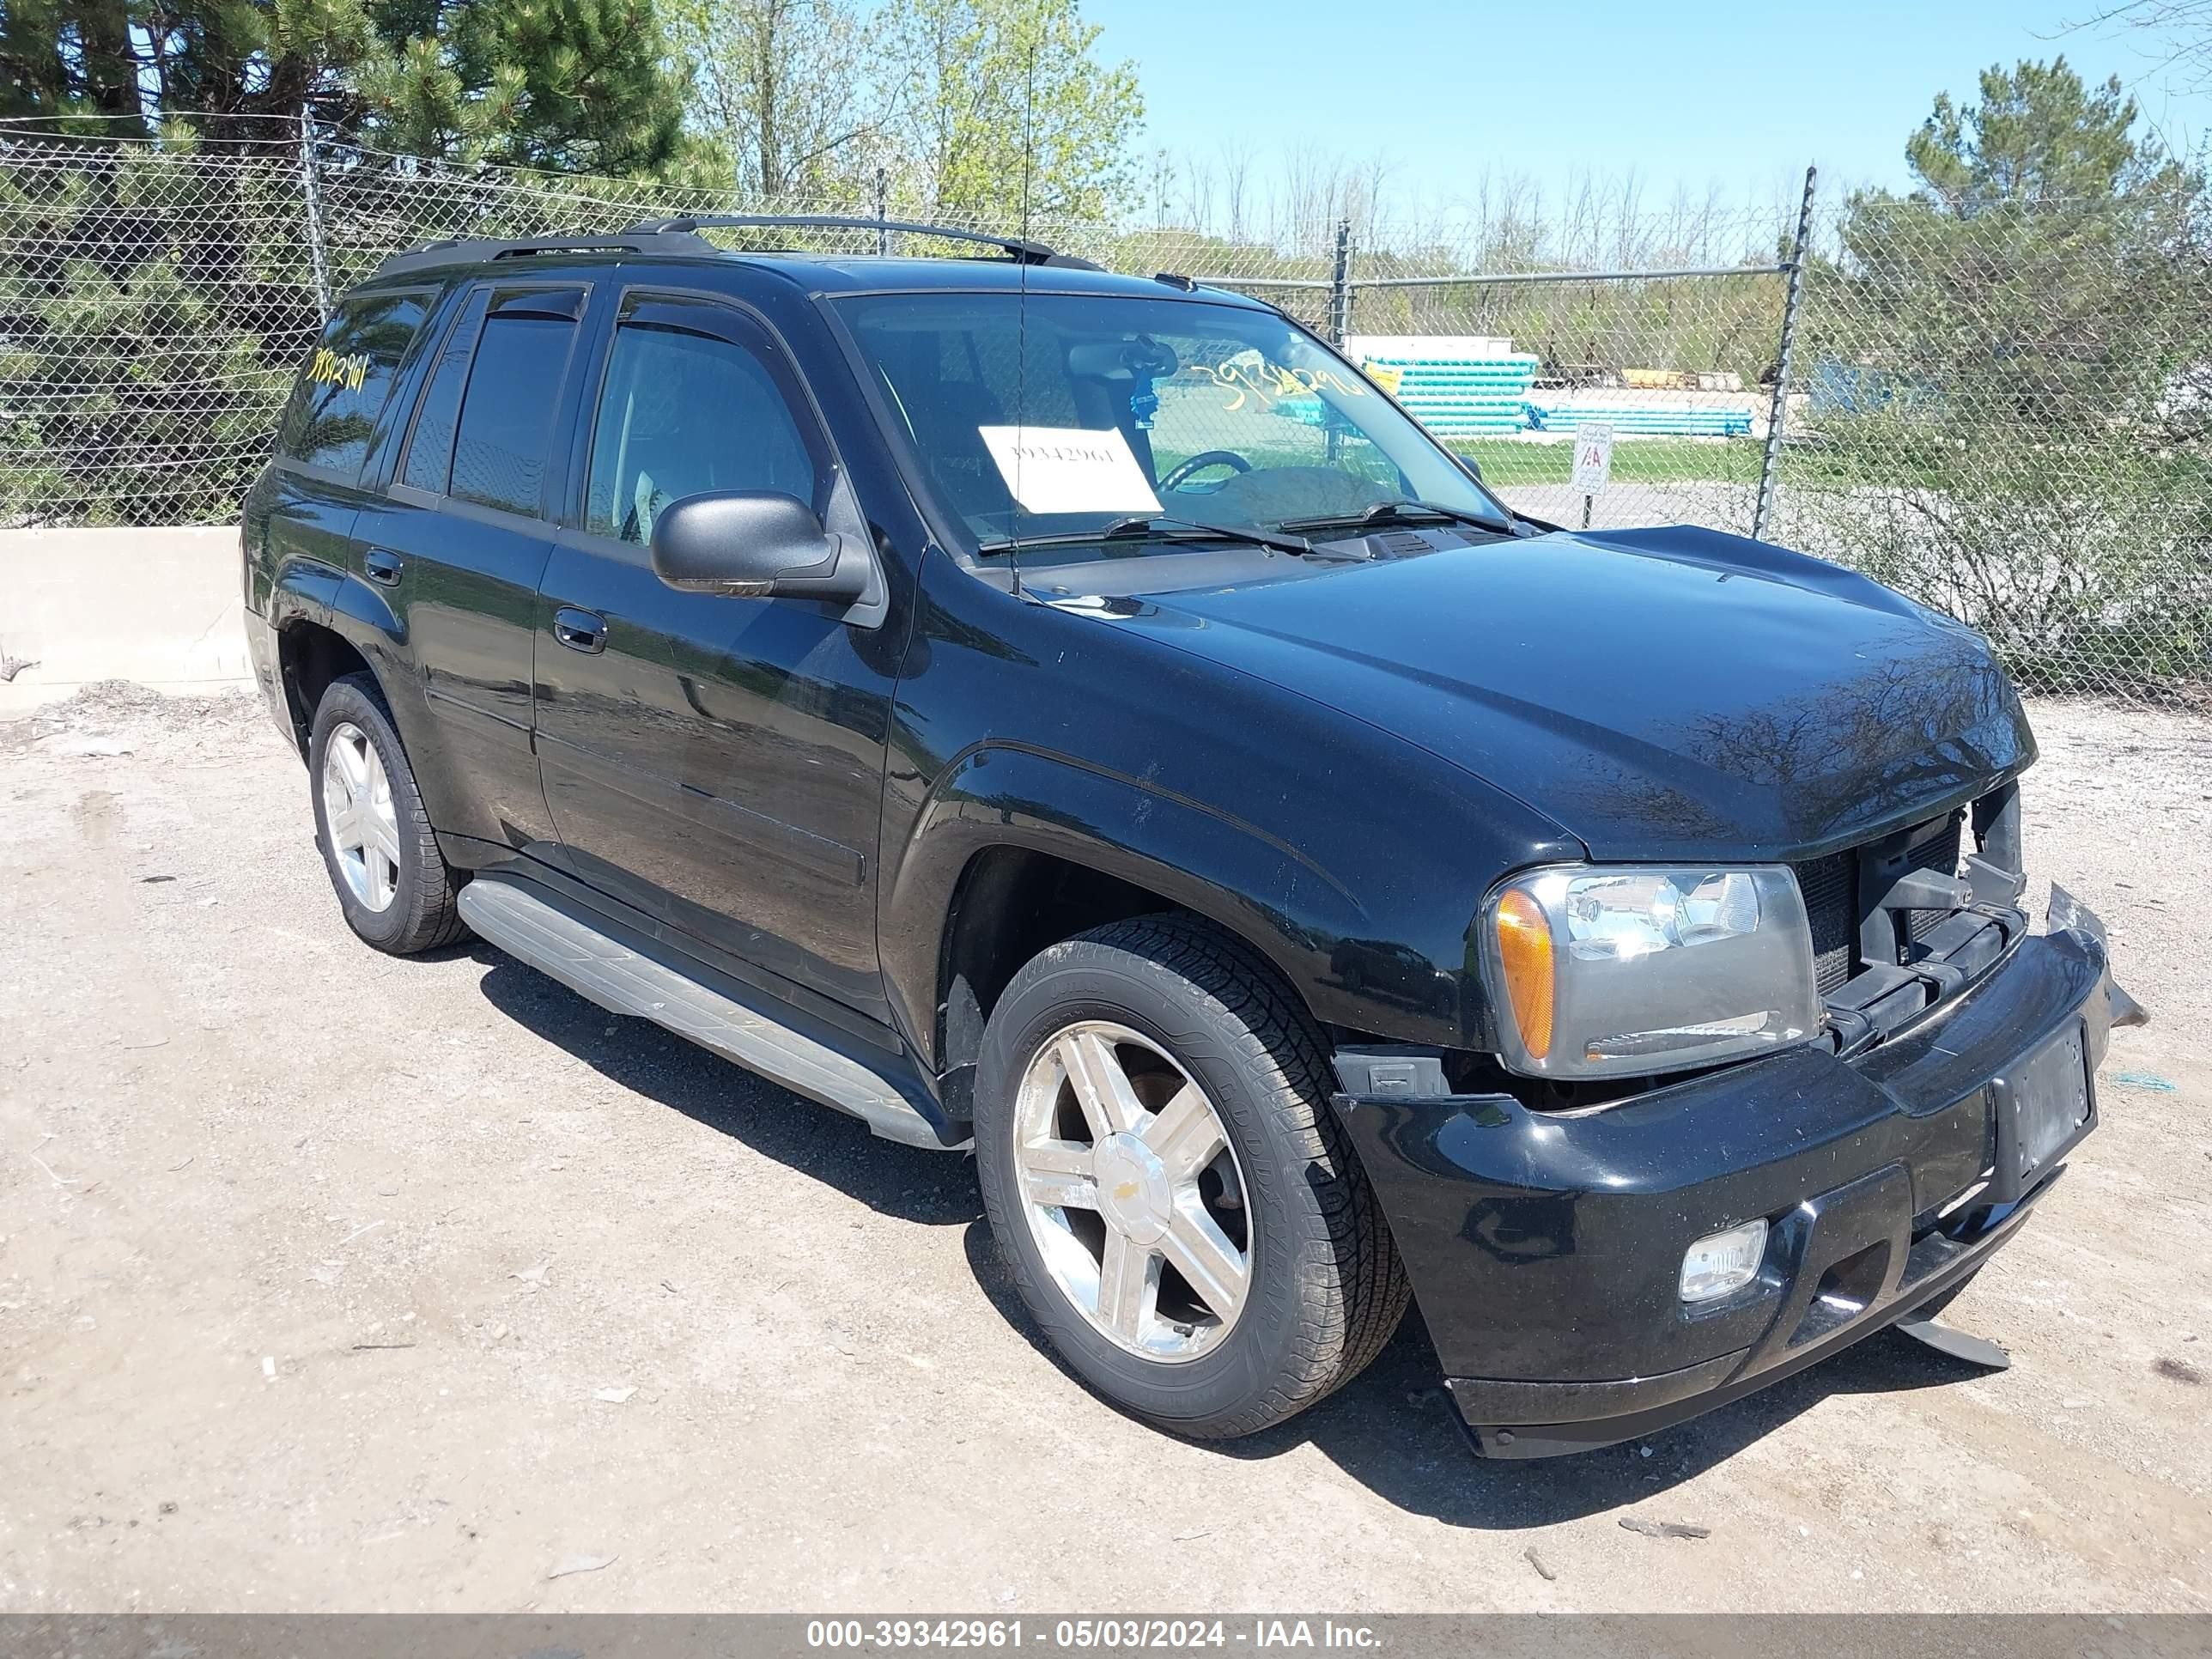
1830,887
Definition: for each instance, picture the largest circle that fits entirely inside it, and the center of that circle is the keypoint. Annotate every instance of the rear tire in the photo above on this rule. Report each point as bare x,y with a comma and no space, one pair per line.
1175,1008
393,885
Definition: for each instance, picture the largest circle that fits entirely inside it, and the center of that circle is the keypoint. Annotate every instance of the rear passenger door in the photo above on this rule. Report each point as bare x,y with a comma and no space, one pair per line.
462,541
716,761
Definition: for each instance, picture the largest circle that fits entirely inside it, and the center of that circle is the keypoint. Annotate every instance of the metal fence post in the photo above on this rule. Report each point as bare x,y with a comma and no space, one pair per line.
1777,413
1339,285
311,192
882,211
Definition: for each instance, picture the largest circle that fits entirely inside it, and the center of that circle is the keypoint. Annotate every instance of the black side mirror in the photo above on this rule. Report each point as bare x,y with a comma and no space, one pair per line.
756,545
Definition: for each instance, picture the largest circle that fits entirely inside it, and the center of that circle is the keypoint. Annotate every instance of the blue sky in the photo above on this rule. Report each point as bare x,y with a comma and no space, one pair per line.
1736,97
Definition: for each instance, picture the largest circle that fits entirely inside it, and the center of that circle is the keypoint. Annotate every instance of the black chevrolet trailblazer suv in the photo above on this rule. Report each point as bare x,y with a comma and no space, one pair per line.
1082,718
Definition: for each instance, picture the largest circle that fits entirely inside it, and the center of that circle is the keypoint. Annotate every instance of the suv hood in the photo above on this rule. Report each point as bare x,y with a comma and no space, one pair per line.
1659,694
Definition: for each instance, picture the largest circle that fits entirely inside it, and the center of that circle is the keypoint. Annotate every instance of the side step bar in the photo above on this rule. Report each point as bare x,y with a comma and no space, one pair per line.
626,974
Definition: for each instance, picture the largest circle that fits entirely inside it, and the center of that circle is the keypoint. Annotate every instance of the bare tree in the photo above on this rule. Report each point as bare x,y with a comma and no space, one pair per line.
1365,193
2183,27
1310,180
1236,185
1321,188
1160,177
1198,194
781,83
1626,206
996,104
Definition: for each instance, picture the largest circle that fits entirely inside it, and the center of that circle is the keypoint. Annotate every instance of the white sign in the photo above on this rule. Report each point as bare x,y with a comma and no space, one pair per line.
1593,457
1067,468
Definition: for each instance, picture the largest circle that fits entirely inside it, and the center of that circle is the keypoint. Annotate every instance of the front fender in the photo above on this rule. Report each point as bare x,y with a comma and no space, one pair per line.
1207,860
1352,860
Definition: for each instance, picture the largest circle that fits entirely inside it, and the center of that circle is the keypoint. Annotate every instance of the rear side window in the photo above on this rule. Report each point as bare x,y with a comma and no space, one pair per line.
430,451
505,429
341,392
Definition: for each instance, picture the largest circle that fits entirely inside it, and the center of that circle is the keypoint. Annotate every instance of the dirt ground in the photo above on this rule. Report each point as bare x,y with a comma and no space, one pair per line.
329,1281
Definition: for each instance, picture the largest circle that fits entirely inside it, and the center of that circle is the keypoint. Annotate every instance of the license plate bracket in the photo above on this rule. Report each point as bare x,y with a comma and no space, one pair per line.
2042,1105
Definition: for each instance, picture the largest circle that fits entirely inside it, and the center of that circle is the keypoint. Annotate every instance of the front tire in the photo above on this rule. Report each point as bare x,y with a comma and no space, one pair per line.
1168,1185
393,884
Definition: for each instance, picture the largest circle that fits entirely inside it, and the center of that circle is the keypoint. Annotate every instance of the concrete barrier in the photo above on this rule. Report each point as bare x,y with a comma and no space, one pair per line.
161,608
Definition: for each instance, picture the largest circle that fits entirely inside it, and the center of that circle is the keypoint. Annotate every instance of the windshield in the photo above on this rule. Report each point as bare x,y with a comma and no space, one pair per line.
1105,414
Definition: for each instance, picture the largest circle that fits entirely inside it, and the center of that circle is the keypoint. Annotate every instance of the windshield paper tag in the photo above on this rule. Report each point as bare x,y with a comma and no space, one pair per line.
1065,468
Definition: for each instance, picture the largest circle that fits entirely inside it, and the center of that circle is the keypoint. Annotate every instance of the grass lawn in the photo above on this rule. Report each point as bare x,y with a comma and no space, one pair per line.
1635,460
1502,461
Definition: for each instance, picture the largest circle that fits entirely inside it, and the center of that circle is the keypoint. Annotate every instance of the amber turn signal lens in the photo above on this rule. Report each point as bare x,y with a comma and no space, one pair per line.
1524,950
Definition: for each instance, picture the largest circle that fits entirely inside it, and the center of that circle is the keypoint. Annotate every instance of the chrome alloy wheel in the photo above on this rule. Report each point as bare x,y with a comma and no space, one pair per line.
363,828
1133,1191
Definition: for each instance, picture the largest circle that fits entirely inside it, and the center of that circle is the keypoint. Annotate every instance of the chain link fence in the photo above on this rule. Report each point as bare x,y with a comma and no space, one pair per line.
157,299
2005,416
2000,410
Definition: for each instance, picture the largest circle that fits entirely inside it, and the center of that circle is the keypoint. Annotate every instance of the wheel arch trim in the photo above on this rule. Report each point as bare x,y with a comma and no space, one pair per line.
365,617
999,794
308,593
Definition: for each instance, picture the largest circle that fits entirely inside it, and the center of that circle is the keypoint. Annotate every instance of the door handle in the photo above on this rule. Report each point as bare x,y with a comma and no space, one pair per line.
580,630
385,566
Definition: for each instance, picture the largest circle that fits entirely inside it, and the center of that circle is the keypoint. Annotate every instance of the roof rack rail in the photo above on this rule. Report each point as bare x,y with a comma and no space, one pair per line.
1019,249
471,249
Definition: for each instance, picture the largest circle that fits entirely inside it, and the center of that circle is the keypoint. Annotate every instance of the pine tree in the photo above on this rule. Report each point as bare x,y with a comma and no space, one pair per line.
584,83
153,314
2025,342
570,85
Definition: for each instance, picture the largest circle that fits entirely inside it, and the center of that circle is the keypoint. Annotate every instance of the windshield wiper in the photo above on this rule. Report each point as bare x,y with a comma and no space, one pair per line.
1402,511
1153,526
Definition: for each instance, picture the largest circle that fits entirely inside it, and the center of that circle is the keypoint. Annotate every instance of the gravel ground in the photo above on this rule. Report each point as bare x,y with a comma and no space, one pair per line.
331,1281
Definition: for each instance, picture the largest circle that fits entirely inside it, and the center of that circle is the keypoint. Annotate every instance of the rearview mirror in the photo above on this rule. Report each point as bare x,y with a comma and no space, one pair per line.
756,543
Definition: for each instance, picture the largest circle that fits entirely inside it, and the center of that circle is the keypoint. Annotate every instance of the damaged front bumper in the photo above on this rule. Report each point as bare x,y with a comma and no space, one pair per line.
1545,1248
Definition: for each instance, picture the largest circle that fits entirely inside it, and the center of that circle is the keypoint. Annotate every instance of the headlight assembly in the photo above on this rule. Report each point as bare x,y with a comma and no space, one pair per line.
1602,972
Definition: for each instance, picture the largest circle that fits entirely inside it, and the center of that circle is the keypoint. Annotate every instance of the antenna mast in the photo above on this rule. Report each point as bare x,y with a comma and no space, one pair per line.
1022,328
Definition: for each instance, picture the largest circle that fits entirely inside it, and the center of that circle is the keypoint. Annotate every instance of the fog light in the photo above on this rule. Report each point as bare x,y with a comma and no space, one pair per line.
1721,1262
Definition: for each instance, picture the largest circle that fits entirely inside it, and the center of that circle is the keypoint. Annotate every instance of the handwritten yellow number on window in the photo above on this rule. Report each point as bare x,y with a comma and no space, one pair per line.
326,367
1264,383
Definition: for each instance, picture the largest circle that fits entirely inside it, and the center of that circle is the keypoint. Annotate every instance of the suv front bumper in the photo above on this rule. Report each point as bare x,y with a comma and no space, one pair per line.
1544,1249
